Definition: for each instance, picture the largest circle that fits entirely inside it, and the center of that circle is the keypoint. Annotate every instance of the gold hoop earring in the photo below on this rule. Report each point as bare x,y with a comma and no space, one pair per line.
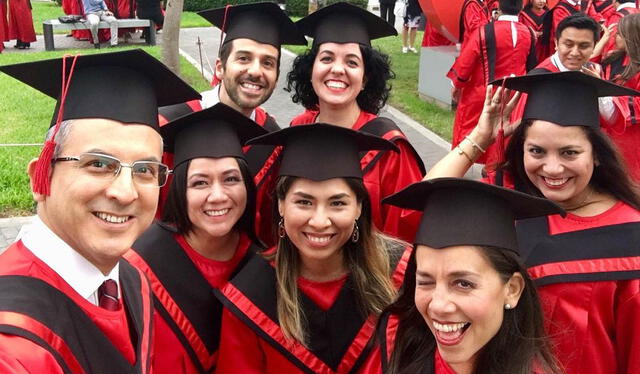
281,232
356,232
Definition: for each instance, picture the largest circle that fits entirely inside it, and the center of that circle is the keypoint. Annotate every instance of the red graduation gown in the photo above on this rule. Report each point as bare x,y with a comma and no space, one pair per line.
433,38
534,20
606,8
493,46
624,129
76,334
187,315
252,341
21,21
474,14
4,23
587,270
385,176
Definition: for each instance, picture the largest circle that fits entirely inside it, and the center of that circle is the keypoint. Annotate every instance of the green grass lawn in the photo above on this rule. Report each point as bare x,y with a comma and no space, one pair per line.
44,10
26,114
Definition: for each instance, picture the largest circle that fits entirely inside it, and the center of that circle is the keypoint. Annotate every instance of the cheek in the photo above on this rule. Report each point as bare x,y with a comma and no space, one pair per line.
422,299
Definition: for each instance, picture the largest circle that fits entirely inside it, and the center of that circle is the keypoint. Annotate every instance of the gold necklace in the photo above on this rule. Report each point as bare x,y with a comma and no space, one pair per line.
583,203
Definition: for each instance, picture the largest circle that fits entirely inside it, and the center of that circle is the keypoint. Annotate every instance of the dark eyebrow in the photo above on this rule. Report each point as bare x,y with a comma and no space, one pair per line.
455,274
304,195
339,196
103,152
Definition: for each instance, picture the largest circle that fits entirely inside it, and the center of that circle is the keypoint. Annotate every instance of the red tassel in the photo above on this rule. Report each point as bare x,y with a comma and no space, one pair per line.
41,183
500,138
215,81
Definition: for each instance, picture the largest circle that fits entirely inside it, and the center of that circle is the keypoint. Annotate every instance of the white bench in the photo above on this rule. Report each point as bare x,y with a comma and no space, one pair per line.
53,24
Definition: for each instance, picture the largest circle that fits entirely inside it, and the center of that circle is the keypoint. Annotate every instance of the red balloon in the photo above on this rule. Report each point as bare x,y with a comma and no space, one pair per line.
445,15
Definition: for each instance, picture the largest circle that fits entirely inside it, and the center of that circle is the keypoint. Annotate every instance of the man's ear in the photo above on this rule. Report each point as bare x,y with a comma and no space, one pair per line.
31,171
219,69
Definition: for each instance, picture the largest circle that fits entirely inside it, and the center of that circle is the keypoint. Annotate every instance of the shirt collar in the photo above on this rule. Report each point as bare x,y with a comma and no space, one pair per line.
76,270
573,2
625,5
555,59
508,17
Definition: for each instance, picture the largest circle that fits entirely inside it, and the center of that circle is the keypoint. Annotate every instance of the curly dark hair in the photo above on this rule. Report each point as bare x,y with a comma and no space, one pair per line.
377,72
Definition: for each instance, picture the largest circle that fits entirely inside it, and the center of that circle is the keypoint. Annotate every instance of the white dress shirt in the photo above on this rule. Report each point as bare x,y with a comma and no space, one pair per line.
76,270
212,97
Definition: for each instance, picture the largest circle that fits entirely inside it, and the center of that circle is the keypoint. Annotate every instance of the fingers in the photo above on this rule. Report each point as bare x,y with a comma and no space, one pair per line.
512,102
487,96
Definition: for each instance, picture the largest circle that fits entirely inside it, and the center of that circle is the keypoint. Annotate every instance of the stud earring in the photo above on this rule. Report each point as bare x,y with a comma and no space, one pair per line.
507,306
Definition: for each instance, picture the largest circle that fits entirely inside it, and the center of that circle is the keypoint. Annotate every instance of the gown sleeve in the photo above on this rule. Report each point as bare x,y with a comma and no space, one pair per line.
240,350
22,356
627,328
461,71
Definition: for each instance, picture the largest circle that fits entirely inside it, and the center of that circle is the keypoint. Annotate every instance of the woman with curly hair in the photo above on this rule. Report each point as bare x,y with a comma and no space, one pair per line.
343,81
309,304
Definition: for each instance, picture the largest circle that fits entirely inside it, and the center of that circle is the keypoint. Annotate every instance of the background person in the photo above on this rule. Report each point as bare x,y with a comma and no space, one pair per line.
412,16
96,11
21,23
343,81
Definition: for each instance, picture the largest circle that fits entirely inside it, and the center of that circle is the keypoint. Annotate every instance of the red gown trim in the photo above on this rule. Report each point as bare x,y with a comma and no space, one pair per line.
52,339
599,265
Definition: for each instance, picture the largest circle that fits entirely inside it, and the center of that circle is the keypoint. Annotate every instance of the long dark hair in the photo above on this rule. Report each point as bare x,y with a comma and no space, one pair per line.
377,72
518,345
176,211
610,175
366,259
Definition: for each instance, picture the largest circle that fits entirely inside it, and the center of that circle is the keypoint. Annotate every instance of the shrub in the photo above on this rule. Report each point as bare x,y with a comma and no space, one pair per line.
297,8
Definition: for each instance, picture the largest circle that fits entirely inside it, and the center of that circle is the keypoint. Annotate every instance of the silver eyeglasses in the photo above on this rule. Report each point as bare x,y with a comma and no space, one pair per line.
143,173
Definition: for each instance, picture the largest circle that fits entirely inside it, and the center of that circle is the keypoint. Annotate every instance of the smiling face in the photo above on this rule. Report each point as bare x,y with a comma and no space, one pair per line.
538,4
101,218
559,161
249,74
461,298
216,196
338,74
575,47
319,218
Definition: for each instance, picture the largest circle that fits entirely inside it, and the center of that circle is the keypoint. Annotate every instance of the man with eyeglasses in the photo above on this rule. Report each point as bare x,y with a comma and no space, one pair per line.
68,302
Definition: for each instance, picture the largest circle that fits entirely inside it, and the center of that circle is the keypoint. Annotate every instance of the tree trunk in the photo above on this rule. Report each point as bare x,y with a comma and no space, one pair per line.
171,35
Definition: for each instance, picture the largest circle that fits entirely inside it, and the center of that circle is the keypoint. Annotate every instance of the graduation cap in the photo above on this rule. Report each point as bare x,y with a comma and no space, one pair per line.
344,23
321,151
466,212
123,86
263,22
567,98
126,86
218,131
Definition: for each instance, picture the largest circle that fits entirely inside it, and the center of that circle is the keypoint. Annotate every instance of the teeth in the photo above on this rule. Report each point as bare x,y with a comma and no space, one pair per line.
556,182
110,218
318,239
250,86
336,84
448,328
215,213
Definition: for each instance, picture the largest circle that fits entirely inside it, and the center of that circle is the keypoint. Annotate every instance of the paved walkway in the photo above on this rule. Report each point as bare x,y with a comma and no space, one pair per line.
429,145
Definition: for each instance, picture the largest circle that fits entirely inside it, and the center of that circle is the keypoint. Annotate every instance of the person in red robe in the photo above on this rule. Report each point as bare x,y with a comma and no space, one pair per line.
606,8
21,23
623,8
586,265
69,303
3,24
474,13
349,92
466,291
533,15
617,67
245,86
504,47
562,10
434,38
317,272
205,235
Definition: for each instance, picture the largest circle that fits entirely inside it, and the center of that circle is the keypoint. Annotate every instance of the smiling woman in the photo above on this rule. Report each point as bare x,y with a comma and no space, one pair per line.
467,304
206,233
310,303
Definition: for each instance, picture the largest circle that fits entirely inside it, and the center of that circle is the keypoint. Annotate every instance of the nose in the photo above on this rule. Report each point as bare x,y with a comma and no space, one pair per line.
217,193
337,67
253,67
552,166
441,303
122,188
319,219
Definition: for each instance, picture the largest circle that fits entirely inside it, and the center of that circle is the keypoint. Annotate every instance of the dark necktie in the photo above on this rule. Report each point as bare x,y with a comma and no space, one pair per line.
108,295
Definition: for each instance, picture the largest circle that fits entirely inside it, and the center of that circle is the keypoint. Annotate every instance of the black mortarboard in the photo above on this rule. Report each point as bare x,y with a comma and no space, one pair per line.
125,86
344,23
320,151
263,22
218,131
567,99
466,212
